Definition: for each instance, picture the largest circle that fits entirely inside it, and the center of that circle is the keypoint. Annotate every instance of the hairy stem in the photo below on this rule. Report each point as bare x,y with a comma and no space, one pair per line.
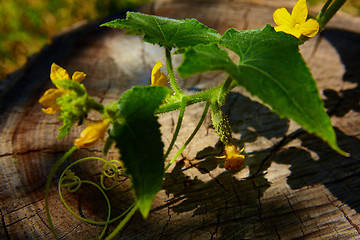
191,99
226,87
171,73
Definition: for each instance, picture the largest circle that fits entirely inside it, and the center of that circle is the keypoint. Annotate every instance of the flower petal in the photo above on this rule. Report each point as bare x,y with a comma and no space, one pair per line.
157,77
289,30
78,76
310,28
282,17
92,133
49,100
58,73
50,110
233,157
300,12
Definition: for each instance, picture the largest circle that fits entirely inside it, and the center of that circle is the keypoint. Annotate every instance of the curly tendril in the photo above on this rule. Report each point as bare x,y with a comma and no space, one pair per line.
73,182
112,169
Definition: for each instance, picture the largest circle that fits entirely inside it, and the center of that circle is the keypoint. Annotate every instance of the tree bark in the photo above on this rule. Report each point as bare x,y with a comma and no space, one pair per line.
293,186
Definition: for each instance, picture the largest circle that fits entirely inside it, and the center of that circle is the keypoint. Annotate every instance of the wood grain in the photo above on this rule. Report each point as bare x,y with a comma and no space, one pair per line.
293,186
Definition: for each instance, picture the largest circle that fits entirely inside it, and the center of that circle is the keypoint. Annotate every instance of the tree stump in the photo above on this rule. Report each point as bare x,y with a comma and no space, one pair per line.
293,186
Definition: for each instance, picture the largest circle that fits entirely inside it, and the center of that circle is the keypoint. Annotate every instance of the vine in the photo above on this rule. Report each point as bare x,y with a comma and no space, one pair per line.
270,67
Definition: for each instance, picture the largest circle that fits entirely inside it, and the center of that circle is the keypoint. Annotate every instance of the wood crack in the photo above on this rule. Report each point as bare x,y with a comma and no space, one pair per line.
29,151
224,204
277,233
22,207
166,224
294,212
214,234
286,139
4,225
42,220
20,219
74,228
349,220
357,228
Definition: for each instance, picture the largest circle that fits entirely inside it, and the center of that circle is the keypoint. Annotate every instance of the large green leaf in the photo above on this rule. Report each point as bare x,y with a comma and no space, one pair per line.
137,135
165,31
272,68
204,58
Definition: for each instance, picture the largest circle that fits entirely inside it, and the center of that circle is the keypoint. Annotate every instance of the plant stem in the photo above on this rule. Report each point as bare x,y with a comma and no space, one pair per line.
191,136
171,73
122,223
178,125
323,9
226,87
47,187
324,17
95,105
191,99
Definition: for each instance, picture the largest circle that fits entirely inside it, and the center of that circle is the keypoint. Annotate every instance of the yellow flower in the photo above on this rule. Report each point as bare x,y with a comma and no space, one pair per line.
233,157
296,23
50,96
92,133
157,77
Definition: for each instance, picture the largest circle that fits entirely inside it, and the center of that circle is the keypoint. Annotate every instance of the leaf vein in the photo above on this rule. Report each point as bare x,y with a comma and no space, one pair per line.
250,46
159,27
287,94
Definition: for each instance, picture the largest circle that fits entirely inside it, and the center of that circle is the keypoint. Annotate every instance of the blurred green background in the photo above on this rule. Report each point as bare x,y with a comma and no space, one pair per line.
26,25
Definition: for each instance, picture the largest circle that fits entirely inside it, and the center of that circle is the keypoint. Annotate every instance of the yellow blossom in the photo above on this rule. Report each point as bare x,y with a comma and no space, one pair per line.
296,23
92,133
233,157
157,77
50,96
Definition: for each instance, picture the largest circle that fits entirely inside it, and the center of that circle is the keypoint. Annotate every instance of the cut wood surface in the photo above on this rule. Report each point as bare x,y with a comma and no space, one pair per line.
293,186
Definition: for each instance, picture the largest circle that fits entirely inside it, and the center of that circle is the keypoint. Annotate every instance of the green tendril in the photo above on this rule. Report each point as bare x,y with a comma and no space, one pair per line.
201,54
73,182
106,163
106,223
47,187
112,169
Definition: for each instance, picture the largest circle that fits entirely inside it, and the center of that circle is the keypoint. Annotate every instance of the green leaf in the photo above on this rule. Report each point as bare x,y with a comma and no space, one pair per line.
203,58
165,31
107,145
137,135
271,68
